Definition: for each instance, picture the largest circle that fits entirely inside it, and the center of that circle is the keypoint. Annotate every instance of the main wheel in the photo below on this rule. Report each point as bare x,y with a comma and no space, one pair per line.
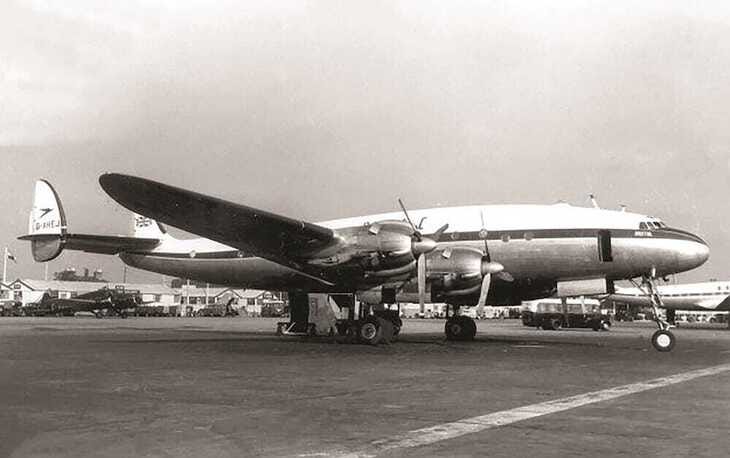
460,328
663,340
387,330
371,331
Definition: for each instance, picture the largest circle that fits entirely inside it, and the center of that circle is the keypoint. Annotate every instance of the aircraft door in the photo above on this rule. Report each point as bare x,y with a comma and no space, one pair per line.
605,252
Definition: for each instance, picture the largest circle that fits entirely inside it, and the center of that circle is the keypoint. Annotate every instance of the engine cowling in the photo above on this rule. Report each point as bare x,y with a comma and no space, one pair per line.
458,270
382,249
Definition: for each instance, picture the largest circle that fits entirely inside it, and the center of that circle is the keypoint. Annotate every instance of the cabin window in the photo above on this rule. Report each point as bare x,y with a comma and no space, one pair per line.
605,252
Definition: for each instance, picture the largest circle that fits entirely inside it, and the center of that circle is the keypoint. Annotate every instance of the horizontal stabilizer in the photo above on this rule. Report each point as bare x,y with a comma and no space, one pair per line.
48,247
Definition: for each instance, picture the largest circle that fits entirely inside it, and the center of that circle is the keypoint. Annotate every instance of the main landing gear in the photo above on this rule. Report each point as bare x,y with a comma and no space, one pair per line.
459,327
663,340
363,324
371,327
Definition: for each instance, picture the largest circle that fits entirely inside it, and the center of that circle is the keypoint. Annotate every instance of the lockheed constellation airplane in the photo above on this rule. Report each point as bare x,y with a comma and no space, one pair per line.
473,255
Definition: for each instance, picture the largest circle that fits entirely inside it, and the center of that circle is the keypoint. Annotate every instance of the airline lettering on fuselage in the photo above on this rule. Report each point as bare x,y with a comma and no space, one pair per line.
643,234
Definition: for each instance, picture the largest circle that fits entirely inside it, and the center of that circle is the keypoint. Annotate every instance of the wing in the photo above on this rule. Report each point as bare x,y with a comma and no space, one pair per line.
76,302
277,238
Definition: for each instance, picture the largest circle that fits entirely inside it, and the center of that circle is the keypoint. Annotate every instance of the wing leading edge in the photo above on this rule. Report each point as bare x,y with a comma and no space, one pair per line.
274,237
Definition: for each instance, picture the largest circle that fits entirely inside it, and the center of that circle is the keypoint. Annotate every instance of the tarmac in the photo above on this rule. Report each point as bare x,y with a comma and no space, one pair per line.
209,387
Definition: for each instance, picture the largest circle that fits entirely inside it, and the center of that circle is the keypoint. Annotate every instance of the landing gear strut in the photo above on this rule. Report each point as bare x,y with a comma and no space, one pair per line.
663,340
459,327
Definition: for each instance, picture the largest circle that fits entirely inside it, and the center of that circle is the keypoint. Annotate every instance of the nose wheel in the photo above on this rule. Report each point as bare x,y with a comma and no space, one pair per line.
663,340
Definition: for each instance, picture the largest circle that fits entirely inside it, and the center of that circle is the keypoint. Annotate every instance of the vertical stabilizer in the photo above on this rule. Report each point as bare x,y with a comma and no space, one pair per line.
47,223
147,228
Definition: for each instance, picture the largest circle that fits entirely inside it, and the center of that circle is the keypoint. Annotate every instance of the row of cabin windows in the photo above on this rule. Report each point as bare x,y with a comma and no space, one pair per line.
504,237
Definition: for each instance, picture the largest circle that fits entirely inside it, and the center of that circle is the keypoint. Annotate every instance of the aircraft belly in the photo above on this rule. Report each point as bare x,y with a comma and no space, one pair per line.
242,272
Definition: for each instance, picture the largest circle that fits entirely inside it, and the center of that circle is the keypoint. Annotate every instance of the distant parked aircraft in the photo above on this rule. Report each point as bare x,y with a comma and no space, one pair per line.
116,302
711,296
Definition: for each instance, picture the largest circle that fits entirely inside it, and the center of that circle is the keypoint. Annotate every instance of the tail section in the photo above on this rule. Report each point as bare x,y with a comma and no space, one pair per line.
47,223
48,235
147,228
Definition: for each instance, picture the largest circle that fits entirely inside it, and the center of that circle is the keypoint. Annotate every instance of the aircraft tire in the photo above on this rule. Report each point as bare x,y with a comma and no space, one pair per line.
371,331
388,330
460,328
471,329
663,340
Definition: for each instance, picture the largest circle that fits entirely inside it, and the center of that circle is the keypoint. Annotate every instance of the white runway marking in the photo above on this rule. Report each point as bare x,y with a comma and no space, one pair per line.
445,431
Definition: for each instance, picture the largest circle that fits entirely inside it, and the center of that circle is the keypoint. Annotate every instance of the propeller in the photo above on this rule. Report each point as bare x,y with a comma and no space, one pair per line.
420,246
487,269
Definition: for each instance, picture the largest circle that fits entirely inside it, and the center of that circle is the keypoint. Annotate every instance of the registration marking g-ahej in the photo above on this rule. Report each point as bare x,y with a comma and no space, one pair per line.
444,431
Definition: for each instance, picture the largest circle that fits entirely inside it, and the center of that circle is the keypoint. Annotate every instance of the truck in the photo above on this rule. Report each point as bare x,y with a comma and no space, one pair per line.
549,314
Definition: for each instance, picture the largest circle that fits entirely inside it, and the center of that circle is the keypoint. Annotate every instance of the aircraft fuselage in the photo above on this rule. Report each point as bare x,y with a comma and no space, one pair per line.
538,245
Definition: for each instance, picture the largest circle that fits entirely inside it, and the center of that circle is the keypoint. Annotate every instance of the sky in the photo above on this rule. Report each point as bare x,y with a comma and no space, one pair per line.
327,109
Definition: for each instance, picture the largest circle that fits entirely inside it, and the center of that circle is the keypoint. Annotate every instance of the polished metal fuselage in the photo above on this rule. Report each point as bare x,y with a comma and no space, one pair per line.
533,253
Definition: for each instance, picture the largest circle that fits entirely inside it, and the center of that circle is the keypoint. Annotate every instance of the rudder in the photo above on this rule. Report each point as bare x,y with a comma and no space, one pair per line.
46,224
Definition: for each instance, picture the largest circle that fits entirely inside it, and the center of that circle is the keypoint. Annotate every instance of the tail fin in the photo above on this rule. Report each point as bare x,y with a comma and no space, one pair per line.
48,236
147,228
47,223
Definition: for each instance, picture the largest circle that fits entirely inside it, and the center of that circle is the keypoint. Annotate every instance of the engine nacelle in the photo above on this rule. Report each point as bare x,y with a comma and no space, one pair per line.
455,271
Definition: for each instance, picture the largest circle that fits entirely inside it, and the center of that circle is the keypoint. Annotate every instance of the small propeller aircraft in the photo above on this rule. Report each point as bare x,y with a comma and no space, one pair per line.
463,256
114,302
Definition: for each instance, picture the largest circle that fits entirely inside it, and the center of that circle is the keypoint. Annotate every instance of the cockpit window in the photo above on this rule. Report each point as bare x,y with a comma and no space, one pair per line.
642,226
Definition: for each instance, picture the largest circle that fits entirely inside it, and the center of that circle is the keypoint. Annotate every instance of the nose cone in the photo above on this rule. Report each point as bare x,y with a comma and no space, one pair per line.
701,254
693,252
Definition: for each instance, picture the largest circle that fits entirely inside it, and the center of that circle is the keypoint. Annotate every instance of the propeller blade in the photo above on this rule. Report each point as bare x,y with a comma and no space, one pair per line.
483,233
486,281
437,235
408,218
422,282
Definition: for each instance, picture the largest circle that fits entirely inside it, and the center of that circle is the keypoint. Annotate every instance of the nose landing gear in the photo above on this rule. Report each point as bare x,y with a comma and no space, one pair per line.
663,340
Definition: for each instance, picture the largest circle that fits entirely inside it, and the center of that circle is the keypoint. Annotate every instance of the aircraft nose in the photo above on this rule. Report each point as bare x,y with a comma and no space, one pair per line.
702,253
693,254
